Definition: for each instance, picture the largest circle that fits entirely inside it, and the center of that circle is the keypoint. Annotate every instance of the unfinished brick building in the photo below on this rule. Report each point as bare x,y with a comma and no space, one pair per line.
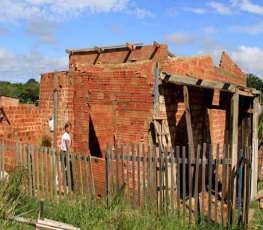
144,94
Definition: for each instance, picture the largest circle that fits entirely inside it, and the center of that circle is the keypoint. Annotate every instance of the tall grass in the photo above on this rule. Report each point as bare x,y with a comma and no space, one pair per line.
85,212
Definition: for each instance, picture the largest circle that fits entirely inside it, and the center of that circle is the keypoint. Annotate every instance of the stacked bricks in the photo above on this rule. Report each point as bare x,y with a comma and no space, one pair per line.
79,61
202,67
172,108
25,123
113,103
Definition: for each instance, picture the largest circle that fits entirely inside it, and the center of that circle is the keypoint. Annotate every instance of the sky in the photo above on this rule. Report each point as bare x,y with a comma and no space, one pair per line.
34,34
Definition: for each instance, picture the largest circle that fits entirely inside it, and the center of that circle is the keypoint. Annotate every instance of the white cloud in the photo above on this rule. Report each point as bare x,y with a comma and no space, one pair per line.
251,29
249,58
13,10
179,38
20,68
248,6
220,8
140,13
210,30
195,10
43,30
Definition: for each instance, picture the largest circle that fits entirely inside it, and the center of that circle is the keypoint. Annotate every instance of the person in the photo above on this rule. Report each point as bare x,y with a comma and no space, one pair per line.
66,145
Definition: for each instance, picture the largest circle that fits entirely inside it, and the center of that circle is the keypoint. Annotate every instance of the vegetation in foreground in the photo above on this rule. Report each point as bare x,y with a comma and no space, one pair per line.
84,212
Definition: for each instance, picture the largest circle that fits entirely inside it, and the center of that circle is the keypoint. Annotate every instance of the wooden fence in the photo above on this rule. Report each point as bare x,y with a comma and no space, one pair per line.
260,164
197,188
48,173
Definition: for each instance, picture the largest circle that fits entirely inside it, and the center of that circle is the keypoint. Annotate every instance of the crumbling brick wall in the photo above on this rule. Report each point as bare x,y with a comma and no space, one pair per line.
112,103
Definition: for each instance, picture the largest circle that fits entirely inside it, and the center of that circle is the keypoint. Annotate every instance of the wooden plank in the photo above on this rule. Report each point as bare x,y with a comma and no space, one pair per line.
29,167
33,156
186,80
139,175
46,175
161,181
37,157
210,172
234,141
117,166
86,175
107,176
128,170
133,176
17,156
167,201
223,185
190,183
80,174
172,182
184,179
42,180
91,176
188,121
68,171
1,160
51,171
73,183
203,179
58,173
112,169
196,184
149,172
216,181
55,173
256,105
154,166
240,181
143,173
178,177
122,164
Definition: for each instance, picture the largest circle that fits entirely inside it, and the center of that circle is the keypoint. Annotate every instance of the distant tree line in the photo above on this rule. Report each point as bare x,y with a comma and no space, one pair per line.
26,92
254,81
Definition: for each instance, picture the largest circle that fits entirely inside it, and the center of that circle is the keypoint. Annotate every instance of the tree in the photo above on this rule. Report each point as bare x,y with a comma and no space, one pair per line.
254,81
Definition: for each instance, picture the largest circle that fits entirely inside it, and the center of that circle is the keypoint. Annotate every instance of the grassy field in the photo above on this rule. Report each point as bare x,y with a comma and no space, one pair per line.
87,212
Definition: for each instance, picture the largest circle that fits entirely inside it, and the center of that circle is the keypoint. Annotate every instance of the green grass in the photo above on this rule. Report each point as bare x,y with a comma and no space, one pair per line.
86,212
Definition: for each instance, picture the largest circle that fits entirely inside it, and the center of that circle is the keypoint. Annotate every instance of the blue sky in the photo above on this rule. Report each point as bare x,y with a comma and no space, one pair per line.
35,33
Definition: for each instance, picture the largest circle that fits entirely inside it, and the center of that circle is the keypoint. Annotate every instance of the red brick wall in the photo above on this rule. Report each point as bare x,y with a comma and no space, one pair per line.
25,123
112,101
115,56
203,68
65,102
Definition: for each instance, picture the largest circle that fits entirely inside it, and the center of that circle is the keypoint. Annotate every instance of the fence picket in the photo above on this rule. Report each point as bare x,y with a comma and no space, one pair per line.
128,170
167,201
216,181
178,177
117,166
139,175
122,165
210,181
190,175
196,184
80,174
91,175
172,182
223,185
184,180
143,172
161,180
203,179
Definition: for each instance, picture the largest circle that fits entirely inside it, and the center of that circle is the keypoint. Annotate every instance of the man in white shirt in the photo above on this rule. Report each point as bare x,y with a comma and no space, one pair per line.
65,148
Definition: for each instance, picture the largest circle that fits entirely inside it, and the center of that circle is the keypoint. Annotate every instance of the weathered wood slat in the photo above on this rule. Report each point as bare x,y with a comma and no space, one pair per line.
223,185
190,183
184,180
133,176
128,171
203,180
138,175
196,184
210,182
178,178
216,181
143,172
117,166
91,176
172,182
